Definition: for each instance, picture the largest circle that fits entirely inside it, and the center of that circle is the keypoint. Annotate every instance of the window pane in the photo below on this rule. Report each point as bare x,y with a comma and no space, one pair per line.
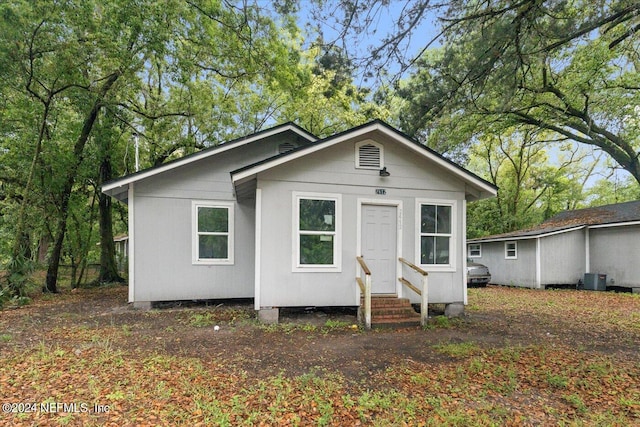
316,249
444,219
213,220
442,250
428,219
317,215
213,247
427,251
434,250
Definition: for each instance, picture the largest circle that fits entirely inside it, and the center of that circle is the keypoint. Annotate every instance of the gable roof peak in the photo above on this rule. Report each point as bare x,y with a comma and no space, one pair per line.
477,187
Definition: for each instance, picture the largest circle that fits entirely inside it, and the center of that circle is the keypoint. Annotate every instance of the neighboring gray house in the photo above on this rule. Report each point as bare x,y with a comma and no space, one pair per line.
600,240
280,216
121,243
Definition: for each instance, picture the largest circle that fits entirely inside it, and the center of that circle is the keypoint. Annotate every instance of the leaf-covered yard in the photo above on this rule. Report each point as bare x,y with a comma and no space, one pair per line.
519,357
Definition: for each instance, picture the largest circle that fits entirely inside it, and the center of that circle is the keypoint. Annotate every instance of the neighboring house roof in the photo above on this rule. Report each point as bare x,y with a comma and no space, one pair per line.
601,216
608,214
120,186
482,187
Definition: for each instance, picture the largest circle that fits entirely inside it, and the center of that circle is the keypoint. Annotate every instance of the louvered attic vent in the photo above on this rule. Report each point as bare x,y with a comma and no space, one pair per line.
369,156
286,146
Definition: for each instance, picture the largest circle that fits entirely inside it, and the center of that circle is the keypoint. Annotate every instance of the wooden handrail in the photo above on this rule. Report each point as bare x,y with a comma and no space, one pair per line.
413,266
424,292
363,265
409,285
365,289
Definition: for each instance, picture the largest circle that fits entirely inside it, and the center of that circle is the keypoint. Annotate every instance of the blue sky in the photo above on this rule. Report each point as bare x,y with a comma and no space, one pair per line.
382,24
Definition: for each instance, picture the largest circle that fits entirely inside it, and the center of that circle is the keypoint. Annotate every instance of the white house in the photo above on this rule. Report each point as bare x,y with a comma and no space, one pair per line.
280,216
602,240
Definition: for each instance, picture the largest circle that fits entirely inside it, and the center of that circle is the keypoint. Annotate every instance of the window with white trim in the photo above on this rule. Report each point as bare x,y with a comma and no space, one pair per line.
369,155
436,222
317,232
474,250
212,233
511,250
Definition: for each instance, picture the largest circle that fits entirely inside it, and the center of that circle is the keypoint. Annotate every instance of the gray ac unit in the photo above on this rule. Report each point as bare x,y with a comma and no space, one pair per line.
595,282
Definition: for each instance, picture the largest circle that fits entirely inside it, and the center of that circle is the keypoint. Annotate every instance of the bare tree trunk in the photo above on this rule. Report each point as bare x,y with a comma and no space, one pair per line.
43,248
74,273
108,265
108,271
78,151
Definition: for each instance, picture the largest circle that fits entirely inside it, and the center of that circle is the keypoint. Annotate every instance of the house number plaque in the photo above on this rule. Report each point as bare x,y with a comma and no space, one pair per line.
381,191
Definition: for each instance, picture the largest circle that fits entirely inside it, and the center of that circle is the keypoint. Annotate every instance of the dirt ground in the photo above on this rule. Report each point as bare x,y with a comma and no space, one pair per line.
306,339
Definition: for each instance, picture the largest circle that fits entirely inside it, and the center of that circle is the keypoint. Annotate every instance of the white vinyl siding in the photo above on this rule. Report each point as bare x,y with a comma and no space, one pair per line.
317,228
212,232
436,222
511,250
369,155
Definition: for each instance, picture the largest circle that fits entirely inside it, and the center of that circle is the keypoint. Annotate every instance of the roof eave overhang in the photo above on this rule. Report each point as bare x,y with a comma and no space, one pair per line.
116,186
528,237
616,224
120,193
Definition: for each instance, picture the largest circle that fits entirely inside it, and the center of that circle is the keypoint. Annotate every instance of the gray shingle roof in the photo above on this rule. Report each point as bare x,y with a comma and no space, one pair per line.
601,215
608,214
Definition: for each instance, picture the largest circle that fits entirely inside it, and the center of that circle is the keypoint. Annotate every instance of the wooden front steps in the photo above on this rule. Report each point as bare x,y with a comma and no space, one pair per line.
392,312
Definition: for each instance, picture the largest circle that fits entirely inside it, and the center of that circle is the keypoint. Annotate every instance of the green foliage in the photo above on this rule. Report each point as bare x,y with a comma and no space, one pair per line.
325,99
530,187
613,190
559,67
223,315
202,319
182,76
576,401
336,324
557,381
19,281
443,322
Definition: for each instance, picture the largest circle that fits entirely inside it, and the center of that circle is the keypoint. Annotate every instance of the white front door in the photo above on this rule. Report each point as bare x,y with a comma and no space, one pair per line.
379,246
